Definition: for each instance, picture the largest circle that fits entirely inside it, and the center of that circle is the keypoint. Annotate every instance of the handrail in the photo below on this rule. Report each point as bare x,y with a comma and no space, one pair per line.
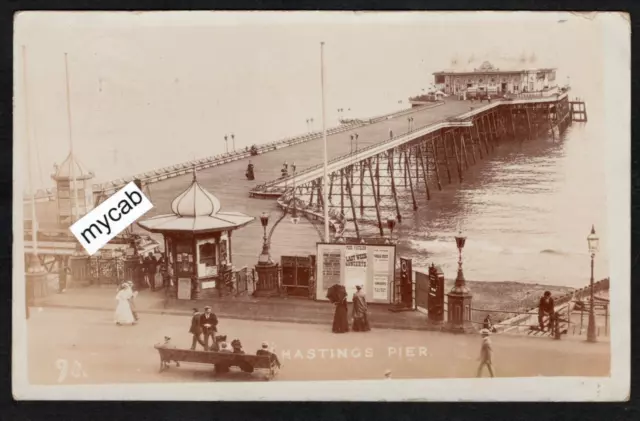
172,170
459,118
264,186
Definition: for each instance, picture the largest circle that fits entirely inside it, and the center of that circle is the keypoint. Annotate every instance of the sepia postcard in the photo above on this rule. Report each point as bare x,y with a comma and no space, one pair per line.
350,206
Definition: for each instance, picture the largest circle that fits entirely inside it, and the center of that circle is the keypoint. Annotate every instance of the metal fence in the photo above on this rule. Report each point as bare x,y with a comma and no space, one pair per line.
105,271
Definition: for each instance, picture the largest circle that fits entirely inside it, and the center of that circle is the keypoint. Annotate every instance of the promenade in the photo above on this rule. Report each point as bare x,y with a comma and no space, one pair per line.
229,184
91,349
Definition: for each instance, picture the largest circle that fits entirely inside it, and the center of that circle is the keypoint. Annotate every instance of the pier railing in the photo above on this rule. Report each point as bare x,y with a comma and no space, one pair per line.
265,186
182,168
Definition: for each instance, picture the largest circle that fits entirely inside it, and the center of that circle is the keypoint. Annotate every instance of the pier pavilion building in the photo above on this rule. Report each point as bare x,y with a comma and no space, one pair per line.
495,78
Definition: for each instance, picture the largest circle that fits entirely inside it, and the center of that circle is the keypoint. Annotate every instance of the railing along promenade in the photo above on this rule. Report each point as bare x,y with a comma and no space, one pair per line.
110,187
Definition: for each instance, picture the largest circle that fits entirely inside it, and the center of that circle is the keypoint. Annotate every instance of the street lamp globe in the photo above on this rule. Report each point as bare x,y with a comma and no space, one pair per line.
593,241
460,240
264,219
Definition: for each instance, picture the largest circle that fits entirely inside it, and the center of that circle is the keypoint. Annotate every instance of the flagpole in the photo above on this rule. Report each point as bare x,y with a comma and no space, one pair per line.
78,252
72,158
325,190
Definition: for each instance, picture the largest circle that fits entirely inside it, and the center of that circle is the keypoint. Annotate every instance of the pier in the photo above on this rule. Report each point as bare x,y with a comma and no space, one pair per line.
432,146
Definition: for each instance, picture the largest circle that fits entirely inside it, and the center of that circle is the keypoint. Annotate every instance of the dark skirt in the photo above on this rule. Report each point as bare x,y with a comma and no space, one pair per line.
340,319
361,324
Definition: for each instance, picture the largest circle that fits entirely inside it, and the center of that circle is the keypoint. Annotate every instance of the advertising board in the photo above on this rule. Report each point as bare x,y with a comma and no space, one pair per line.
371,266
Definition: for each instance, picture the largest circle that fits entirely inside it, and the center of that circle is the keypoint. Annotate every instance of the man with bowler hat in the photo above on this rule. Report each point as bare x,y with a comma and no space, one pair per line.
209,324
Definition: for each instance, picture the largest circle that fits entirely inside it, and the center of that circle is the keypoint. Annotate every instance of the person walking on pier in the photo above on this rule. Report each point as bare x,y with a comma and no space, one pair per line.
337,294
209,325
62,277
123,314
546,306
486,353
360,317
196,329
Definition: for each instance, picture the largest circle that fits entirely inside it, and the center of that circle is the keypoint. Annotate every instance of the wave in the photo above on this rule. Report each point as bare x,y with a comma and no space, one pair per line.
552,251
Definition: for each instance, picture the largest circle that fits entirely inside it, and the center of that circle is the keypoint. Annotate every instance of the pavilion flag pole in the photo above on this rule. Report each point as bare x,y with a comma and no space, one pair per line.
325,190
34,220
72,160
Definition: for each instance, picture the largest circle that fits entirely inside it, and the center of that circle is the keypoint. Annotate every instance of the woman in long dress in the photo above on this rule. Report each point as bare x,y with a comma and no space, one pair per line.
360,317
341,318
124,315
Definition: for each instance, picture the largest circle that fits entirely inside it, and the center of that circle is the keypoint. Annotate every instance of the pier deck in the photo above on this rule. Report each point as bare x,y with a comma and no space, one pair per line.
230,185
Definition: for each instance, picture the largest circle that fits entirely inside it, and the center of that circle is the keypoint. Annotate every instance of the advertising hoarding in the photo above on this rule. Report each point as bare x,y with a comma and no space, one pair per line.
372,266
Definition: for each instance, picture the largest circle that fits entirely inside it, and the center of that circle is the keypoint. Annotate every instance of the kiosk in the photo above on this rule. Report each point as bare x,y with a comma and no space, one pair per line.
197,240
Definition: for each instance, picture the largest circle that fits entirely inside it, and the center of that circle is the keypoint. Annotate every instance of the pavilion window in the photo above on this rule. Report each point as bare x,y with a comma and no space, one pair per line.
207,254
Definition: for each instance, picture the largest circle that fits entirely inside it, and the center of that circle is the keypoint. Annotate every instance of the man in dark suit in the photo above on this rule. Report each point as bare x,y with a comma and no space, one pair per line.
196,329
546,306
208,324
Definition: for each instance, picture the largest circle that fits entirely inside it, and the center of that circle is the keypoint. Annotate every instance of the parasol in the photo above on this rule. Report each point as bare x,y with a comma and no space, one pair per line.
336,293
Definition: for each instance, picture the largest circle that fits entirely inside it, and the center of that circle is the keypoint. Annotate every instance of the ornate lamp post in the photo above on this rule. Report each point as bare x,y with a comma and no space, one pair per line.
265,256
226,143
460,296
233,140
593,241
294,213
266,268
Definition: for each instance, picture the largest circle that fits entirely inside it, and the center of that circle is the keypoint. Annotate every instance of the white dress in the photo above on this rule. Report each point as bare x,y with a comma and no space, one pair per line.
124,315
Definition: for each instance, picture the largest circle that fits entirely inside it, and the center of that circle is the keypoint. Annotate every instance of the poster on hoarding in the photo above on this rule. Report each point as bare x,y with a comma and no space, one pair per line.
380,287
355,267
381,260
331,264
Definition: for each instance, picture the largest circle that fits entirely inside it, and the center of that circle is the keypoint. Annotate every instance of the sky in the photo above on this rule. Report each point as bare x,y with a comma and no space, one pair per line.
148,90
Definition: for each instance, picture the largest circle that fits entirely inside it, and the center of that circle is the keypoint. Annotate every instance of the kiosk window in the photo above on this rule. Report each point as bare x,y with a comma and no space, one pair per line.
207,254
184,257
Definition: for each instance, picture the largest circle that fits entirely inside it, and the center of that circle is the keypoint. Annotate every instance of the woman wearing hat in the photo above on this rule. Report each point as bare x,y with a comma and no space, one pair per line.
360,318
124,315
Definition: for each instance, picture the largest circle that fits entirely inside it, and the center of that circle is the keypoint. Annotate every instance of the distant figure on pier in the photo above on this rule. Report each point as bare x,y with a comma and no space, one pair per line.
390,134
488,324
546,306
285,170
249,174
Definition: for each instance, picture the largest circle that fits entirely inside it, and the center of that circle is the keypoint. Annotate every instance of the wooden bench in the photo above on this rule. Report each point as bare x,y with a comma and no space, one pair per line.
221,361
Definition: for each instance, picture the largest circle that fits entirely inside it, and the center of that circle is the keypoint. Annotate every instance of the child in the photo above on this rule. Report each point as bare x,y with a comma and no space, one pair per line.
486,352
